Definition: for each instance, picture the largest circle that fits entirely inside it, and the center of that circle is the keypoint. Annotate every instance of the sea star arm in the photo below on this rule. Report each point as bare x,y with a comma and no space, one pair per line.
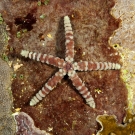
69,56
48,87
88,66
44,58
80,86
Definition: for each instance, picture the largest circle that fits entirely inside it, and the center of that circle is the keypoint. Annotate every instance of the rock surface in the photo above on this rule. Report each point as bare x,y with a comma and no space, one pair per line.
40,28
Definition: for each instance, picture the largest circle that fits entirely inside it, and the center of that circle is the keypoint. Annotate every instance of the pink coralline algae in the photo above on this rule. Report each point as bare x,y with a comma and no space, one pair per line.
25,125
67,66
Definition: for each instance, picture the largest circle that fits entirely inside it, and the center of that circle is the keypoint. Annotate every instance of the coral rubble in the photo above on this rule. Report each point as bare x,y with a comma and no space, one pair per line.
63,110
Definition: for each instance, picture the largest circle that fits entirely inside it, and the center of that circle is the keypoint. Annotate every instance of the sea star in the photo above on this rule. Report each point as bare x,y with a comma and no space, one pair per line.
67,67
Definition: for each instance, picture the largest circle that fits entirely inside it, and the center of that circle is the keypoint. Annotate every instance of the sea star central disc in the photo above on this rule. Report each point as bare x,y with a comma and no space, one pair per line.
68,66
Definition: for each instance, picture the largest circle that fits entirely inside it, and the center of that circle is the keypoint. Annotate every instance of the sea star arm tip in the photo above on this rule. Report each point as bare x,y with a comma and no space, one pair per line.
66,19
90,102
48,87
24,53
88,66
69,56
83,90
44,58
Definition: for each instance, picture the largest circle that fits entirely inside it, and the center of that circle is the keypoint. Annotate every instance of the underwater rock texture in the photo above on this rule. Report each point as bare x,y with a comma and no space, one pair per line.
4,84
7,123
40,28
123,41
3,37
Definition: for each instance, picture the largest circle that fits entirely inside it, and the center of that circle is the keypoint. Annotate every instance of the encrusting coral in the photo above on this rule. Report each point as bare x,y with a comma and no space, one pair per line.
25,125
124,42
111,127
63,110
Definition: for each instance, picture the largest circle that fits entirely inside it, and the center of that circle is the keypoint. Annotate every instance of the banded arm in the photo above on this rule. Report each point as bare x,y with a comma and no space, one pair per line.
88,66
69,56
83,90
44,58
48,87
